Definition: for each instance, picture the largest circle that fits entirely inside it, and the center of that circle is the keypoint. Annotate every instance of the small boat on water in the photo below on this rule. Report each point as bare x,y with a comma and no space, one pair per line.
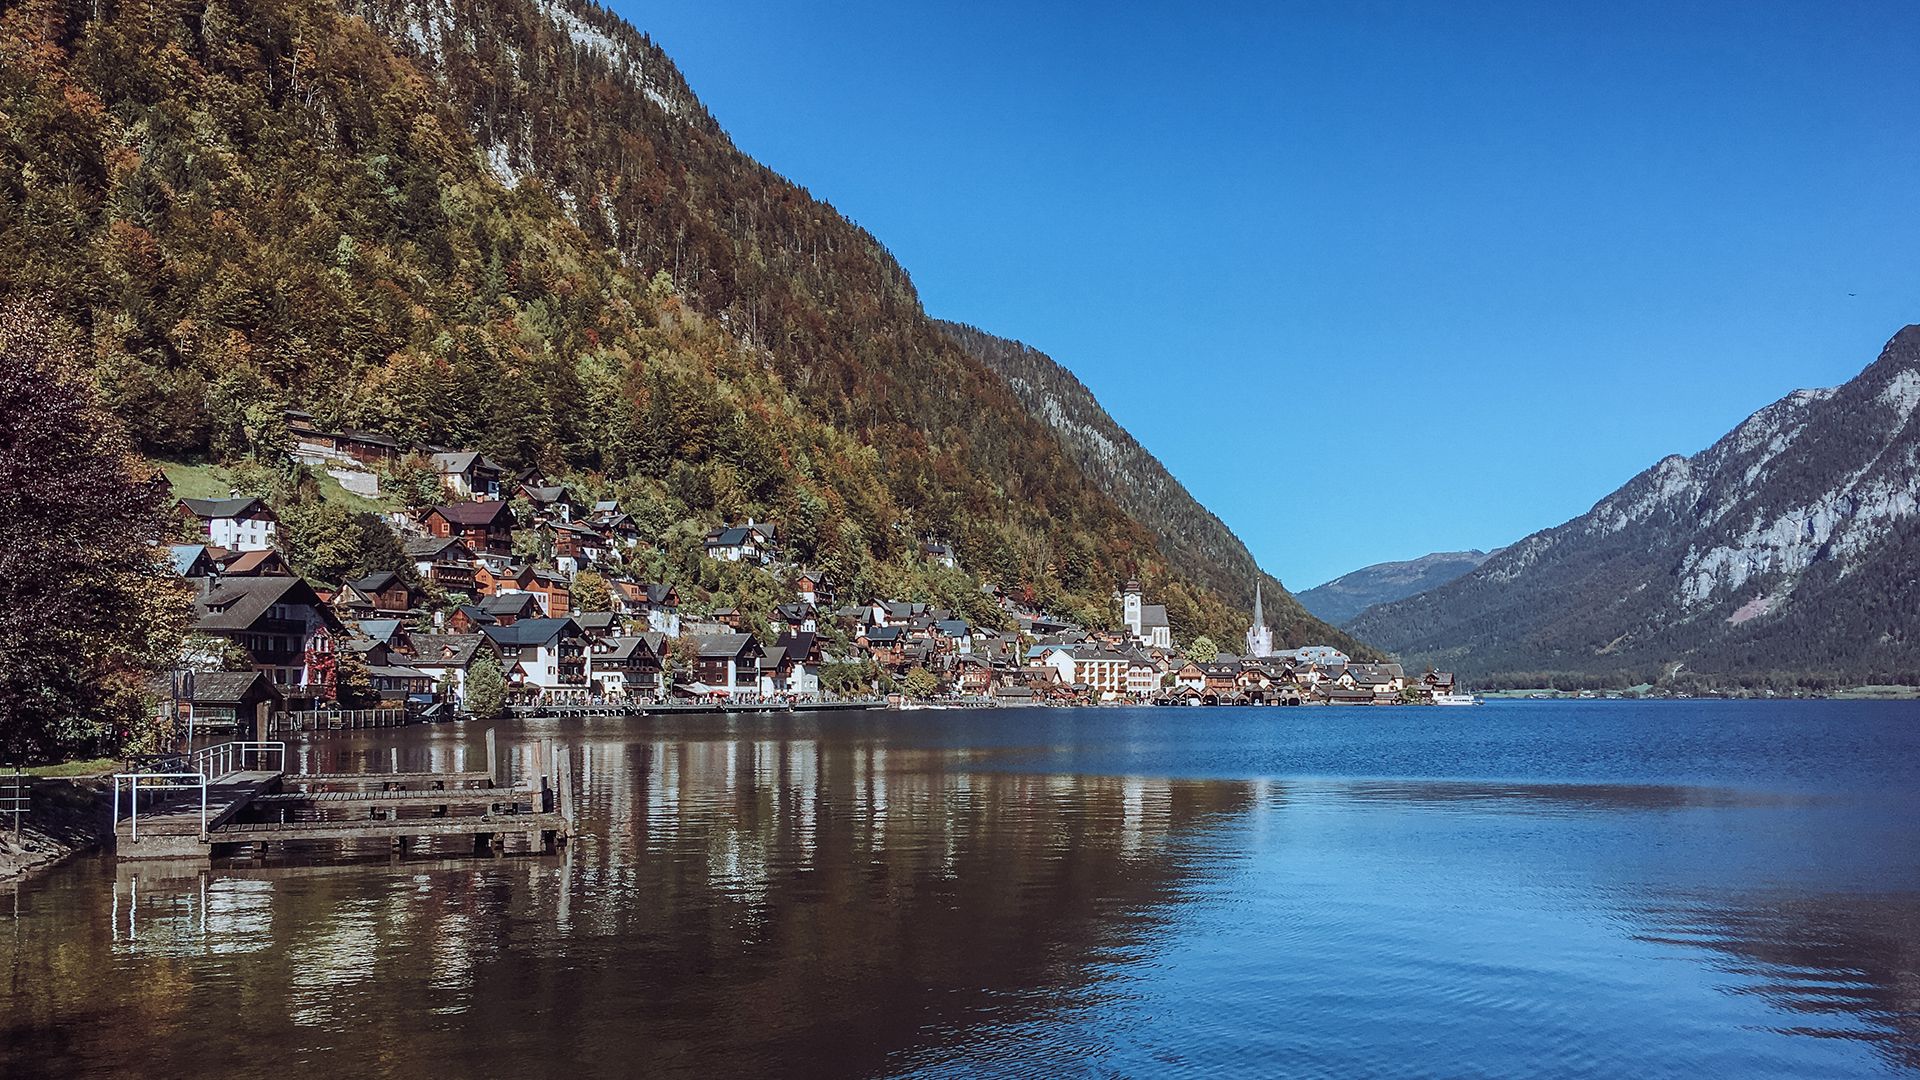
1455,699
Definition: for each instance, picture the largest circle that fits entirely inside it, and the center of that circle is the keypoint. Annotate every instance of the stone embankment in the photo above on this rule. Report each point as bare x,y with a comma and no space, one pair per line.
67,816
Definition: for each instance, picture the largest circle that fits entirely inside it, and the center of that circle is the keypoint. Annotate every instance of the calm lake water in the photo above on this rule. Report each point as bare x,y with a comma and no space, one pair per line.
1605,889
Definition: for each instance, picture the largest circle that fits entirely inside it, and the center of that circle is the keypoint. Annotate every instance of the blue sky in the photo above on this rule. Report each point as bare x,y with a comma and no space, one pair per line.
1372,279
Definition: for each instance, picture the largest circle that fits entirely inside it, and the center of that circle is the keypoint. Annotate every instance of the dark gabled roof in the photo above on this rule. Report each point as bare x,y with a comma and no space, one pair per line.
548,493
478,614
445,650
530,631
733,537
485,512
462,461
885,633
720,646
1152,615
224,508
515,604
376,581
238,603
230,687
396,671
624,648
800,645
774,657
433,547
596,620
952,627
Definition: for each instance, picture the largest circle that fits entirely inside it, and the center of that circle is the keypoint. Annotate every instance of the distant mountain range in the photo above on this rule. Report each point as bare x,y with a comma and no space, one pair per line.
1792,545
1190,535
1382,583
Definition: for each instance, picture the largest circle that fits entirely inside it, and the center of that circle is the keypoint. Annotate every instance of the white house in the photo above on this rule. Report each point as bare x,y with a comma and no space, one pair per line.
544,655
741,543
237,524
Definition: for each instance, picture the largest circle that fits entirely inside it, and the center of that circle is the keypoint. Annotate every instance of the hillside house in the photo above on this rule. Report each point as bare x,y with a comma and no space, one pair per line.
485,527
193,560
577,547
444,561
551,502
748,543
241,523
263,563
467,475
658,604
507,608
382,592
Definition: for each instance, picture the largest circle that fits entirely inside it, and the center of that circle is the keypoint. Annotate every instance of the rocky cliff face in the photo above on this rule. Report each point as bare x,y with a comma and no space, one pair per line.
1382,583
1788,545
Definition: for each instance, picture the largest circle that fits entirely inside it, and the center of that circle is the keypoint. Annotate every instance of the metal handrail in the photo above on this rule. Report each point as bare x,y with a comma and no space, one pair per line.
157,781
207,763
218,761
16,795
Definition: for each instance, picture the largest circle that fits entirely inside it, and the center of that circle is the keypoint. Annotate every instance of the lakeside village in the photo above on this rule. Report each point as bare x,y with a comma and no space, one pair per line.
516,622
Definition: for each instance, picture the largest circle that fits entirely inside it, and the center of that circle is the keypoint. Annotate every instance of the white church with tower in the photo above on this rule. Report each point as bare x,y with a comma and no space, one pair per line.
1147,623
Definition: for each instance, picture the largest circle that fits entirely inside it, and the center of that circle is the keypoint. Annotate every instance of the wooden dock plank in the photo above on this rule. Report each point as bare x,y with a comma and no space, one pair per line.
306,779
250,833
413,795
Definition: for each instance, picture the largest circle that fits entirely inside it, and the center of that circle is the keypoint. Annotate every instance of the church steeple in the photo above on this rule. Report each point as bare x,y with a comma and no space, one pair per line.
1259,636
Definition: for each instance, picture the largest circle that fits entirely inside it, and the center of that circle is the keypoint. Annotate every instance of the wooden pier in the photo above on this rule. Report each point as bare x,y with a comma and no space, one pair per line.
211,807
683,708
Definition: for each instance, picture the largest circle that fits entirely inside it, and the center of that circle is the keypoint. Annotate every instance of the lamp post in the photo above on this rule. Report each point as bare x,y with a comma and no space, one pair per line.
183,691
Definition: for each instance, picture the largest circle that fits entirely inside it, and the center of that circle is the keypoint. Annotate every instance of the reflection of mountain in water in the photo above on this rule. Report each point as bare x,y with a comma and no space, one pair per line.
732,908
1848,964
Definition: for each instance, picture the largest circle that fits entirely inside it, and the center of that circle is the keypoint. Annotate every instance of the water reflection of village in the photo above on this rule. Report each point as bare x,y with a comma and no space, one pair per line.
729,905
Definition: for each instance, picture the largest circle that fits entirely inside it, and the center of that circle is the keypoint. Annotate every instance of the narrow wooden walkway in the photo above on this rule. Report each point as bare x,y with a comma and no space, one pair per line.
169,825
362,781
476,825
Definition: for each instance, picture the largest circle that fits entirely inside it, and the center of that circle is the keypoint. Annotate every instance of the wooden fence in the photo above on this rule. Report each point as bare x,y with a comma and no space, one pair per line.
337,719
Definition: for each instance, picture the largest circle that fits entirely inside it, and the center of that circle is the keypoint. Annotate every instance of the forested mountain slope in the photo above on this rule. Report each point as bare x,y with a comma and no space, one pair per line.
1188,532
1792,545
1382,583
509,225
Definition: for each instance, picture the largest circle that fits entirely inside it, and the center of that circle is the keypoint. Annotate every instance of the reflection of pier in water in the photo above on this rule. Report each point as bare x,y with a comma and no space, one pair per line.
813,901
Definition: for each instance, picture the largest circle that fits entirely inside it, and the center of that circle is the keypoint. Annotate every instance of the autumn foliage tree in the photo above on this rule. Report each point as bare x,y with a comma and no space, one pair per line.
89,611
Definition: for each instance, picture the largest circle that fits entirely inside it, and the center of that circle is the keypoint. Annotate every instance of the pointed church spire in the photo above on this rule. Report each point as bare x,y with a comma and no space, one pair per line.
1259,636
